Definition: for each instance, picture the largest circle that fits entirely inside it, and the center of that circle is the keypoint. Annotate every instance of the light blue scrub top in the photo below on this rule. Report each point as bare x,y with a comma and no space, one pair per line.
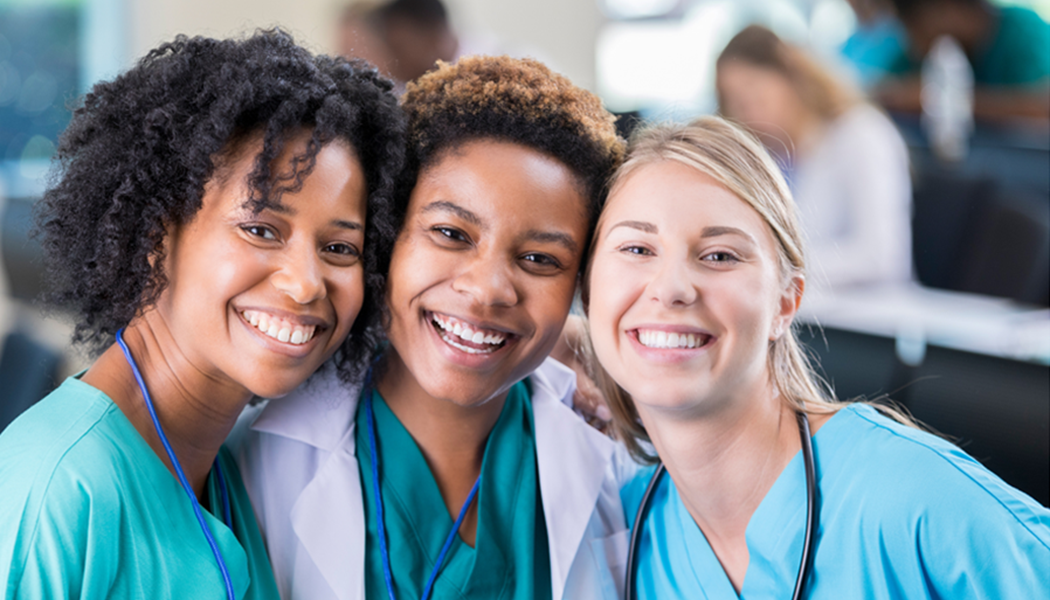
89,511
903,514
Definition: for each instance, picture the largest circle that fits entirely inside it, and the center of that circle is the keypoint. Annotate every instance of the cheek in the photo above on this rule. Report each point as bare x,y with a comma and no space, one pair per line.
349,295
610,297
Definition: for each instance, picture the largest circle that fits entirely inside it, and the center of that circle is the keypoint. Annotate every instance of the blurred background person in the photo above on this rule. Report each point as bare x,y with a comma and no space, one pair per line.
403,38
1007,46
877,43
846,163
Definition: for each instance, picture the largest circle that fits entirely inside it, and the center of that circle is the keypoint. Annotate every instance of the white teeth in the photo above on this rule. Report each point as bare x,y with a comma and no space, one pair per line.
453,328
279,329
662,339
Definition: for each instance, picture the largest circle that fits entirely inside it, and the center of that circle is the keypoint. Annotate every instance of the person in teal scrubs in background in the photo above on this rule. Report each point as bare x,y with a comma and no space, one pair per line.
695,276
1007,46
214,214
460,470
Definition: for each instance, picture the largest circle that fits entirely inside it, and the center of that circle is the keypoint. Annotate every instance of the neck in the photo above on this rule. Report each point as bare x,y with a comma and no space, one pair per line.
723,463
195,410
451,437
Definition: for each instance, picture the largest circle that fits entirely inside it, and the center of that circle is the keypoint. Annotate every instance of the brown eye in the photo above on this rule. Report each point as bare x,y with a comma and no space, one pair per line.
260,231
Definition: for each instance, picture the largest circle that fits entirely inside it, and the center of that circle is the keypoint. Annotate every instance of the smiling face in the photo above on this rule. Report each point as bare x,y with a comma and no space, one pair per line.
261,300
685,292
484,271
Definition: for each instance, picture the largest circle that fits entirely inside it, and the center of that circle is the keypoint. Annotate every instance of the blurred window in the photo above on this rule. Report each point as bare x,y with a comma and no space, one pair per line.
51,52
658,56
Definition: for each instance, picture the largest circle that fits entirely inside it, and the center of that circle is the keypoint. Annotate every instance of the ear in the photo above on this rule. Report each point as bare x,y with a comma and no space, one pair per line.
787,305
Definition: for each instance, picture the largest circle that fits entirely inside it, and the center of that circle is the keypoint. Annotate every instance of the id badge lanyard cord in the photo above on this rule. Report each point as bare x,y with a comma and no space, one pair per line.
384,549
227,517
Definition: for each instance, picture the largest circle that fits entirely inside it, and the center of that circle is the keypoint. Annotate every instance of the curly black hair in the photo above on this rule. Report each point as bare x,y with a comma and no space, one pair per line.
513,100
137,154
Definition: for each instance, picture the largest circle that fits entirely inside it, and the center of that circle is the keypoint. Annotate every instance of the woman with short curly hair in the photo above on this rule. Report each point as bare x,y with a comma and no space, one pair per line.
216,225
459,470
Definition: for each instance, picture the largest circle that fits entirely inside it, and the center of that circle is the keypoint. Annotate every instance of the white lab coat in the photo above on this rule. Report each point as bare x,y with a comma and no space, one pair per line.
299,464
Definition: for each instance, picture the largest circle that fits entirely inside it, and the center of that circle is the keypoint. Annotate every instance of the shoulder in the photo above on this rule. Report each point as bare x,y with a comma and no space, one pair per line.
868,125
1023,20
61,464
76,432
902,476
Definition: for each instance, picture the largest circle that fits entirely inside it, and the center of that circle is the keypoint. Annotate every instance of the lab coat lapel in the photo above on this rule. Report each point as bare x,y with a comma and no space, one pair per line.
334,539
573,459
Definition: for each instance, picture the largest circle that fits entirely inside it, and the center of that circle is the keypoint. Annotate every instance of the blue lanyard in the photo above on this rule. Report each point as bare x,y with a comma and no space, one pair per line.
383,550
227,519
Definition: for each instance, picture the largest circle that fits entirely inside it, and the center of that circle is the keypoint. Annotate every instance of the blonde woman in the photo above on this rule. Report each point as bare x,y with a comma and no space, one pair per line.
695,276
846,163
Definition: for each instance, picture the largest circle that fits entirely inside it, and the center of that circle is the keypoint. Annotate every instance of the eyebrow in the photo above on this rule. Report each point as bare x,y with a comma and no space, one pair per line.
707,232
285,210
639,225
459,211
353,225
553,237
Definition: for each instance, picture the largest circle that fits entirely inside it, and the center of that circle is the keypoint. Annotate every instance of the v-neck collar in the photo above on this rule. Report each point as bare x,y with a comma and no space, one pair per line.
776,530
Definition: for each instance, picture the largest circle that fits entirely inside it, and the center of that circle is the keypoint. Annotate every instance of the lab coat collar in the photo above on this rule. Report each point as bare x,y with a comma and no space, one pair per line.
318,413
321,413
573,460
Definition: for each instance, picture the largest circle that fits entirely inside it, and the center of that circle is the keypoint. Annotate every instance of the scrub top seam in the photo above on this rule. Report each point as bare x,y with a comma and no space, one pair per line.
940,456
52,472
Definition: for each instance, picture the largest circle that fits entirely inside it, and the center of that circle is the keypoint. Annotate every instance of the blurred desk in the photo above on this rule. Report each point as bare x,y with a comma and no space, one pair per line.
915,316
973,368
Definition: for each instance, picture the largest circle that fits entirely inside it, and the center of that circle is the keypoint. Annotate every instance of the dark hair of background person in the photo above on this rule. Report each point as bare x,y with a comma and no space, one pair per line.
426,13
136,156
816,86
511,100
906,8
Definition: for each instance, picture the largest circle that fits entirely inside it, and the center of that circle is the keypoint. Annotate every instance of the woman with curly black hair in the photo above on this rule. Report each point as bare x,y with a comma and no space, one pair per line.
220,212
464,414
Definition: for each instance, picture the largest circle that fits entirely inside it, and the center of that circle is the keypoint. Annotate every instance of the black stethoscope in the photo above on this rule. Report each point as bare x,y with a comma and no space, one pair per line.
808,547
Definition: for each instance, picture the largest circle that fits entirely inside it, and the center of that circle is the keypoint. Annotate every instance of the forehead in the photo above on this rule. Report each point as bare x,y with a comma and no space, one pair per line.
681,199
335,164
496,176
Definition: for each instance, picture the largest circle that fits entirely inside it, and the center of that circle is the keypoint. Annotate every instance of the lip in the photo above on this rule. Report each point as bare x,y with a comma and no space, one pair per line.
285,348
669,355
466,359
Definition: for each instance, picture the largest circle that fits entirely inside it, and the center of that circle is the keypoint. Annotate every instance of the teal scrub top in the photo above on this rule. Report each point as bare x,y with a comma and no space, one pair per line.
903,514
89,511
1017,53
510,557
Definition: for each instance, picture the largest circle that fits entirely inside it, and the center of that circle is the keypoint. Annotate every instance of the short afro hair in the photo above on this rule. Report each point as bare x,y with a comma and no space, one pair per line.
136,156
513,100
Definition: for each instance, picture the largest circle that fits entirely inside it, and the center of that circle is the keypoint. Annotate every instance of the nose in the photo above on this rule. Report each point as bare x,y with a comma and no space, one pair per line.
672,284
489,280
300,275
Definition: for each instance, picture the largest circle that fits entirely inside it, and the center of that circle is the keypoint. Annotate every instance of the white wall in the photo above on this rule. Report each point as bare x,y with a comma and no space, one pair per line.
561,32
